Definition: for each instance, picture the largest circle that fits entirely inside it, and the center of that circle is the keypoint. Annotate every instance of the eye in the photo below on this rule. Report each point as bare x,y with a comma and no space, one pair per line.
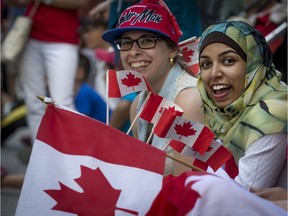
204,64
125,42
228,61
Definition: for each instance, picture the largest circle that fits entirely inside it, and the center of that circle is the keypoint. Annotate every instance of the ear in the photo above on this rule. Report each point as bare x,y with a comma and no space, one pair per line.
174,52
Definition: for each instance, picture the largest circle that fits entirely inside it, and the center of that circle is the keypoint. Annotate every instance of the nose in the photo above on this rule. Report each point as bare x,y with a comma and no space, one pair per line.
135,49
215,71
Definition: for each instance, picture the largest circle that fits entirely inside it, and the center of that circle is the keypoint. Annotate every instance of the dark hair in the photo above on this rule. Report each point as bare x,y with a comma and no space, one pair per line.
88,24
179,57
84,63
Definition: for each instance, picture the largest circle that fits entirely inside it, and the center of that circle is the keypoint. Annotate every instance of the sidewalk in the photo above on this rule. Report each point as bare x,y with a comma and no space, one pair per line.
11,162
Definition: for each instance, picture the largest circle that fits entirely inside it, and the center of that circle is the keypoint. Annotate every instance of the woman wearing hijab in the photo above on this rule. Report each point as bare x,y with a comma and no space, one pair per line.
245,103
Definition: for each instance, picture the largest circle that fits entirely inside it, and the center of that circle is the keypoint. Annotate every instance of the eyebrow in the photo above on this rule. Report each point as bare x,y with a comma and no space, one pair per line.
221,54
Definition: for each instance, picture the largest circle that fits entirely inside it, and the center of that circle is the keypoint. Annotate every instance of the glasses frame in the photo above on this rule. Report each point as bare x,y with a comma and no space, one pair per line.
137,42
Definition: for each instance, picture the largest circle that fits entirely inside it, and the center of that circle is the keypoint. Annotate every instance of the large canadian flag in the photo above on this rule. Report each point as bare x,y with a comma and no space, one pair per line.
193,134
155,105
80,166
124,82
199,193
190,54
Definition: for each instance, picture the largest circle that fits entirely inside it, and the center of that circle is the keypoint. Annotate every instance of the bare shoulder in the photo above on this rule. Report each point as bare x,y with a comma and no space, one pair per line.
190,101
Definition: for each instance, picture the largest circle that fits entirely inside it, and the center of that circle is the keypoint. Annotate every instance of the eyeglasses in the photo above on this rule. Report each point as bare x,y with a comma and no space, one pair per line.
125,44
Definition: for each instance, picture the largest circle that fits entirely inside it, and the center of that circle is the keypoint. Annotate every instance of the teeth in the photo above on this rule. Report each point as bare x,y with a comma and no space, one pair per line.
218,87
138,64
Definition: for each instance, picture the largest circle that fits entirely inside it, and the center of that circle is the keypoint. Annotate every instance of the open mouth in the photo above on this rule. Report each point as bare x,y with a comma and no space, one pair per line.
138,65
220,89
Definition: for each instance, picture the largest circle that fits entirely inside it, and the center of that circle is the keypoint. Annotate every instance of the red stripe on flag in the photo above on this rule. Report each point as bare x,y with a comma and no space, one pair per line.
194,68
231,167
219,157
177,145
113,87
151,107
63,129
200,164
203,141
164,123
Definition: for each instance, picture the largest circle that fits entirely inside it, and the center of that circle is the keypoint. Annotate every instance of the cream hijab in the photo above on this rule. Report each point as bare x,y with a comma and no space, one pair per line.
262,108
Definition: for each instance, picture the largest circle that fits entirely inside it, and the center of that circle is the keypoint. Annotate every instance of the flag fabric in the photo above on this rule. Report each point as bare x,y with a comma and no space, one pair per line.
192,133
200,193
154,106
80,166
215,156
190,54
124,82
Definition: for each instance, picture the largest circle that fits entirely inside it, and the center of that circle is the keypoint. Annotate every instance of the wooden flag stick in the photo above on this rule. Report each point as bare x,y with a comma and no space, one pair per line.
138,114
107,97
150,135
184,163
46,100
166,145
132,124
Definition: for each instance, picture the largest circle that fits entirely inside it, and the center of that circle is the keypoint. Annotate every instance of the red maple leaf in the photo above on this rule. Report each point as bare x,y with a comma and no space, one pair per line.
131,80
98,196
187,53
174,111
185,130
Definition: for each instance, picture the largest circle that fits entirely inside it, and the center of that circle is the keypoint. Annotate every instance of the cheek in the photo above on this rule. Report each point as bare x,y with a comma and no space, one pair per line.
205,77
122,59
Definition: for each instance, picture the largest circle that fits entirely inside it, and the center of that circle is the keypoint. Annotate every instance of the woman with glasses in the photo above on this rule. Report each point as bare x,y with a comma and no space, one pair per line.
146,36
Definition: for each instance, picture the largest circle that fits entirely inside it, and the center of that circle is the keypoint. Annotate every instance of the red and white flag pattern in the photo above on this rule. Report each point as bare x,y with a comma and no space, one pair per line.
215,156
80,166
190,54
199,193
193,134
155,105
124,82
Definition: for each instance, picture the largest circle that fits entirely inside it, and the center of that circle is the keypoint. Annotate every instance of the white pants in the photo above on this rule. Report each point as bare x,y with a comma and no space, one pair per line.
47,69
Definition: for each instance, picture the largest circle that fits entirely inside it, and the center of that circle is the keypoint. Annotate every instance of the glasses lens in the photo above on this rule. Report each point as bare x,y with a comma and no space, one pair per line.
143,43
146,43
124,44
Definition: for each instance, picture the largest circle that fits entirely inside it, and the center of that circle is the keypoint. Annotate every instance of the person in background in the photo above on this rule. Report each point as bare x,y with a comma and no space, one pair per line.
91,32
150,47
49,62
245,102
120,117
87,100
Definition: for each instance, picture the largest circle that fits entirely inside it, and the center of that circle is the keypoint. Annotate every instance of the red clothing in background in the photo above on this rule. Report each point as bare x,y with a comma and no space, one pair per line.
53,24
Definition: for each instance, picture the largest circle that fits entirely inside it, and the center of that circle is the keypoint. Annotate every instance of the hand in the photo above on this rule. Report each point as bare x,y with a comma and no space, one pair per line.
276,195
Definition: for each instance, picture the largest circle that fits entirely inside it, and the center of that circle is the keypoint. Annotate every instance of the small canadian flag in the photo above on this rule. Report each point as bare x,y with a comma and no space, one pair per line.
215,156
192,133
155,105
124,82
190,54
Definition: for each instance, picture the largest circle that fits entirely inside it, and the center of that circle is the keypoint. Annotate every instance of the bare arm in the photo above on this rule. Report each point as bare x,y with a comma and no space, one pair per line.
120,114
190,101
276,195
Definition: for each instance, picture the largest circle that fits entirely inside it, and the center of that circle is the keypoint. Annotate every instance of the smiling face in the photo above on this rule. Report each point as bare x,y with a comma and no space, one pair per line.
223,73
153,63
